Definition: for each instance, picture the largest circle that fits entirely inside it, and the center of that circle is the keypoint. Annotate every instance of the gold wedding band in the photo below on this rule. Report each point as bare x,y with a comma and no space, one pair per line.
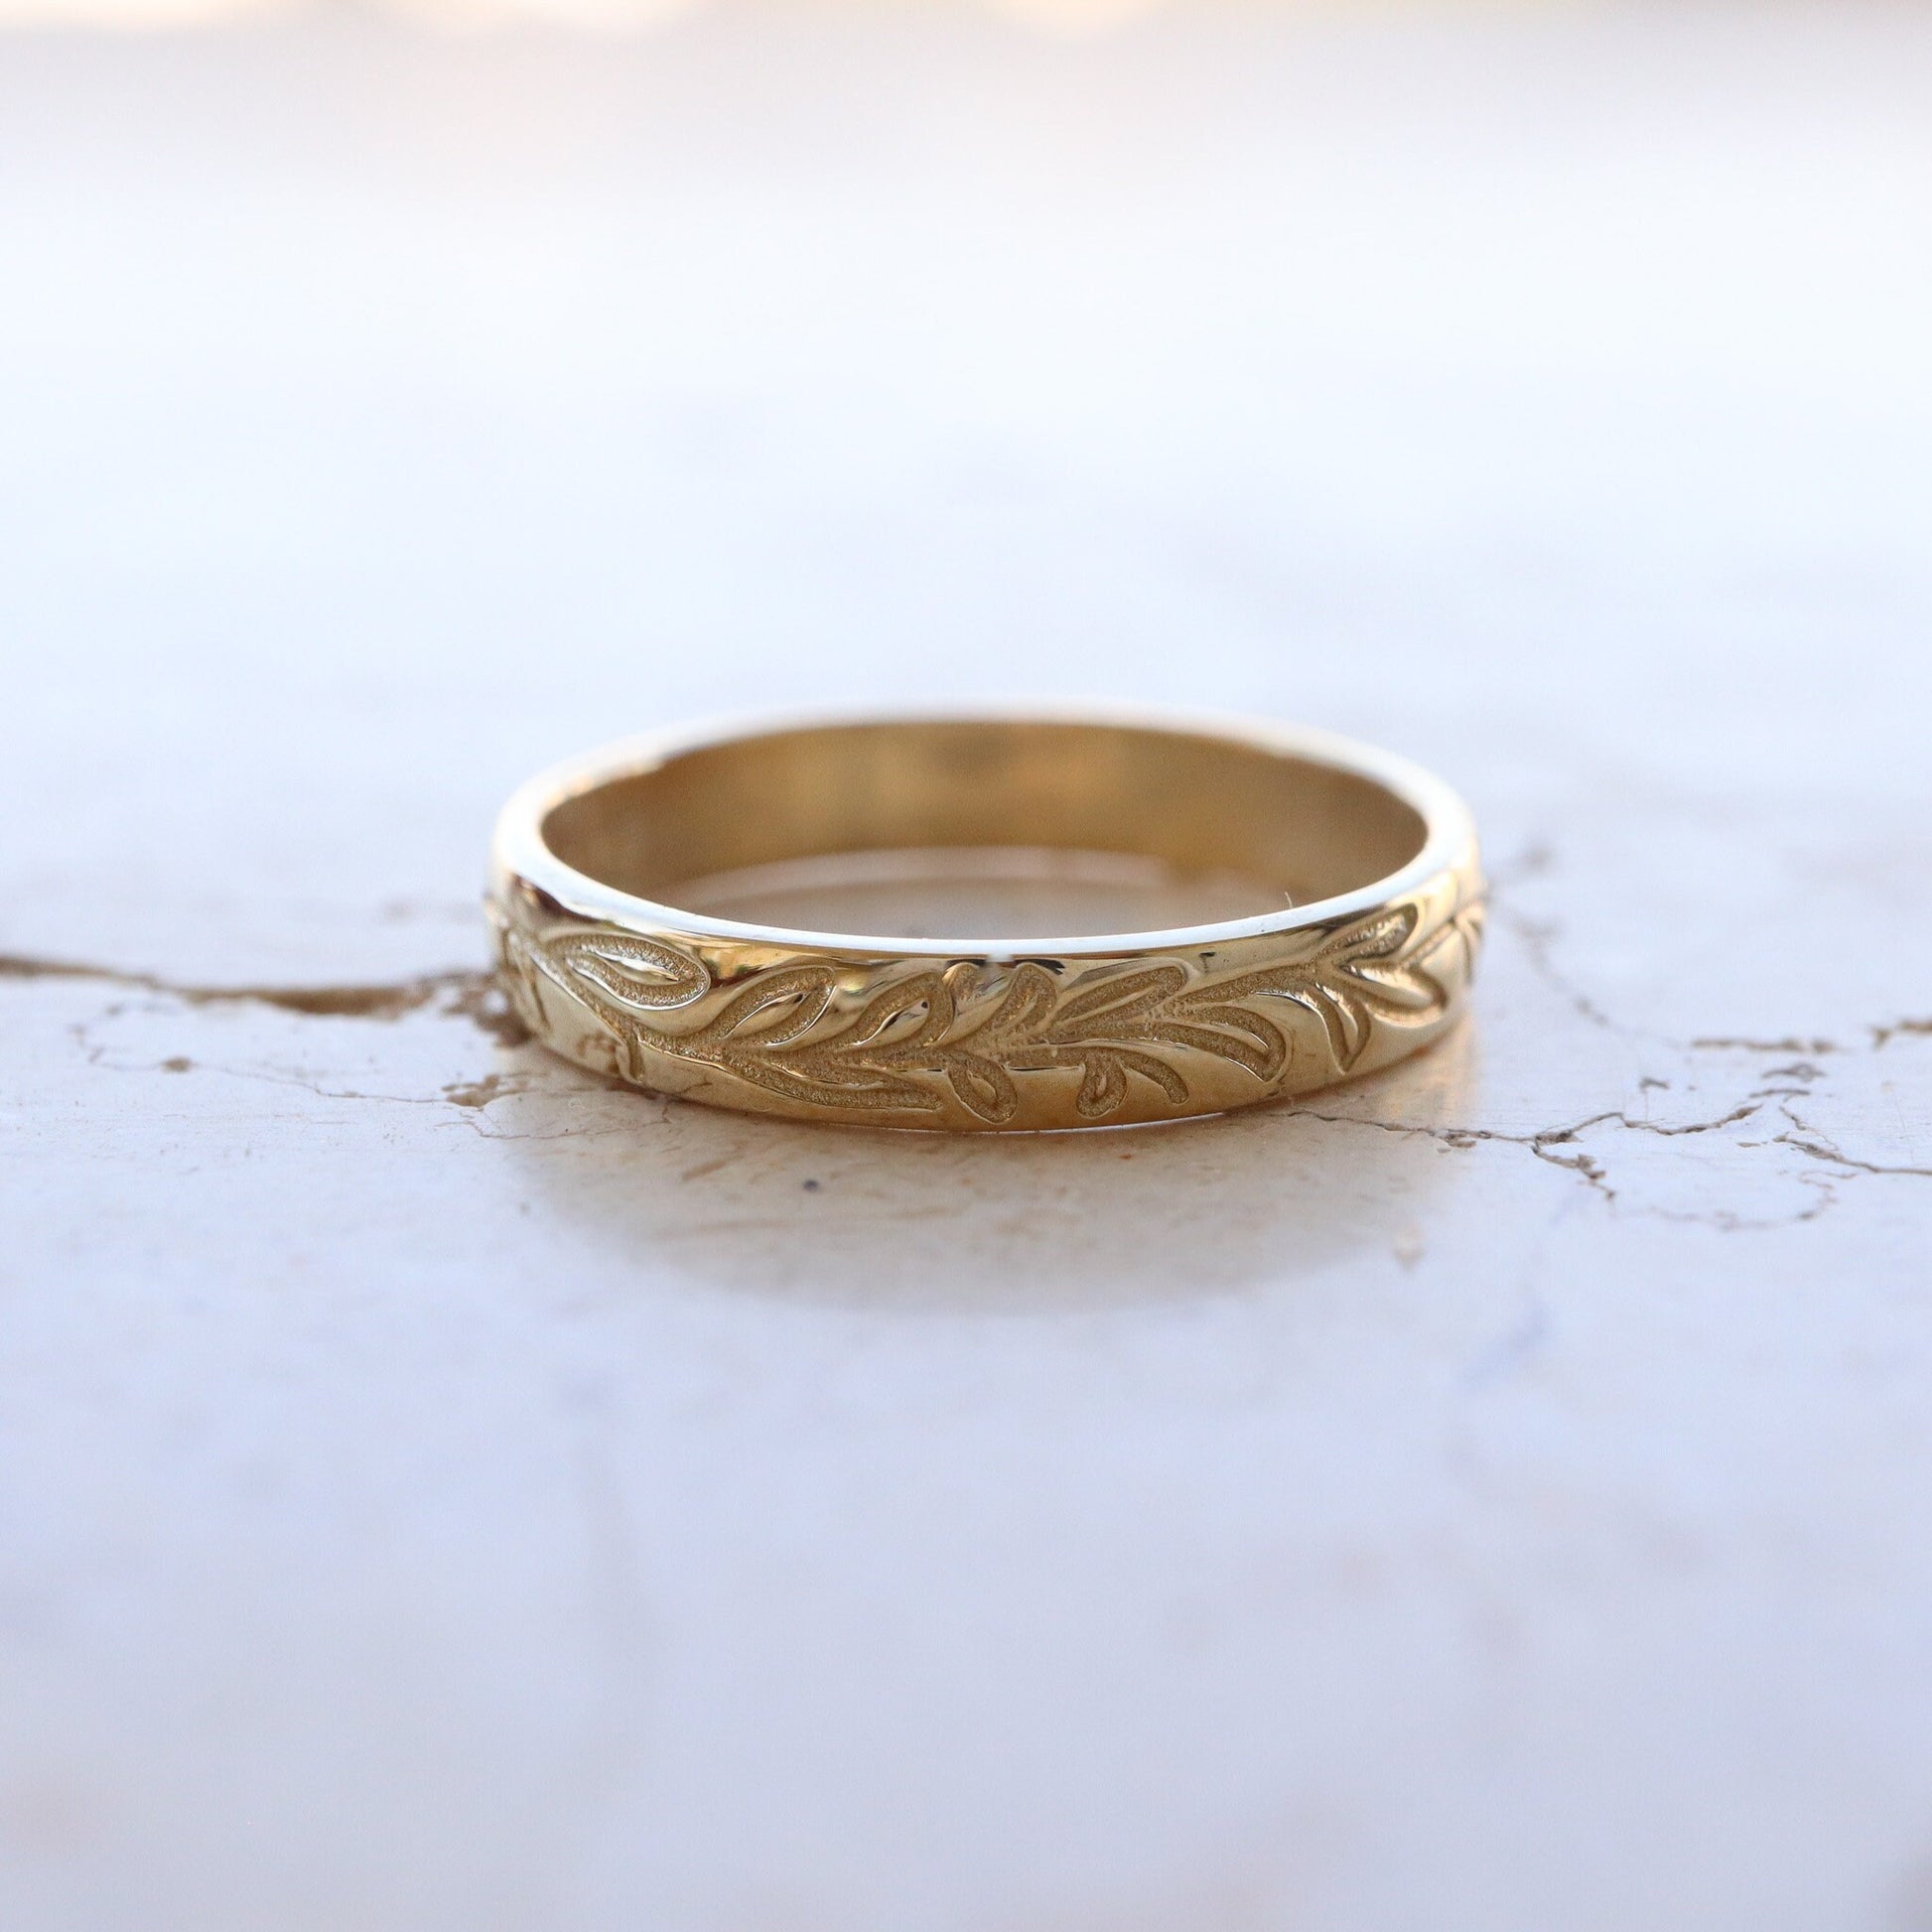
1335,893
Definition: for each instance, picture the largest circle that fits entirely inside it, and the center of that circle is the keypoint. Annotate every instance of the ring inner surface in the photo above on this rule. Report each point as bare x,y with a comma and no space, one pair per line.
946,829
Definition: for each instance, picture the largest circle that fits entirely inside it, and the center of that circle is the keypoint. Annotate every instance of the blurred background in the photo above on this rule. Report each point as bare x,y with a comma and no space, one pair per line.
398,398
438,1493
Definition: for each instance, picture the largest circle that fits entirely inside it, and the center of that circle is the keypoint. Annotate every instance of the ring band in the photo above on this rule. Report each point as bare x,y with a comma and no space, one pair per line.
1345,885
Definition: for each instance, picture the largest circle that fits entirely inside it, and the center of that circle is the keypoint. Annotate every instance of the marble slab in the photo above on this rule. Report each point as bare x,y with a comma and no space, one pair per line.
441,1491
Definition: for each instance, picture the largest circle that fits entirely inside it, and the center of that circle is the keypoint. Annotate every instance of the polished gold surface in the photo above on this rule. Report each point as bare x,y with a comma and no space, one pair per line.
1021,922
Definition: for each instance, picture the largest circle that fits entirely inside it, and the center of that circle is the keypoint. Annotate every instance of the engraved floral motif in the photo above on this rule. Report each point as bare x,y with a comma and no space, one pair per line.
974,1028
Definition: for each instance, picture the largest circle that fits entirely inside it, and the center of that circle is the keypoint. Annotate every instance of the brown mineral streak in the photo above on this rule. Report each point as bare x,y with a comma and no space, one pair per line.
471,995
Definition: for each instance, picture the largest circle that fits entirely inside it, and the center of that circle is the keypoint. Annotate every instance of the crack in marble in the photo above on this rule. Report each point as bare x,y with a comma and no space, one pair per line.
474,995
1718,1043
1820,1149
466,993
1538,937
1882,1036
1544,1143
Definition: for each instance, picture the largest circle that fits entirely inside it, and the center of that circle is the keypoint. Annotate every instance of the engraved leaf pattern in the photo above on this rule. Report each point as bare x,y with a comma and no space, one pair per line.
945,1026
638,972
1350,979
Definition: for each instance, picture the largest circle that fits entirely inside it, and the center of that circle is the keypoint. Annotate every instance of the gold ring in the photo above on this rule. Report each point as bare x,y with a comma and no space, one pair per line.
1334,897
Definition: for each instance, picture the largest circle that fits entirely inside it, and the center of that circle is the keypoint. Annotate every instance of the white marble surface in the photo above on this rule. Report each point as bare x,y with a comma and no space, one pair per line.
439,1492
